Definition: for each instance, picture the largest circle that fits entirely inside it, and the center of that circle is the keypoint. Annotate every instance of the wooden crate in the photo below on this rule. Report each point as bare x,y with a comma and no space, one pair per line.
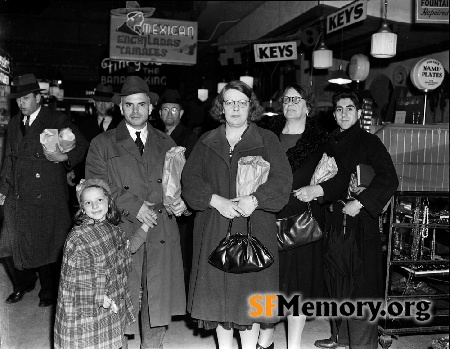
420,154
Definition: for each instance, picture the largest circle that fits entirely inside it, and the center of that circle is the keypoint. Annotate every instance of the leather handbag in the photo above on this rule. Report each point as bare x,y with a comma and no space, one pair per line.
241,253
298,230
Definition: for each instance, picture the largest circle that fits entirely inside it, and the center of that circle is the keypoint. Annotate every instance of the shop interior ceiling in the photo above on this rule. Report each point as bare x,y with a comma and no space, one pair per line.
73,36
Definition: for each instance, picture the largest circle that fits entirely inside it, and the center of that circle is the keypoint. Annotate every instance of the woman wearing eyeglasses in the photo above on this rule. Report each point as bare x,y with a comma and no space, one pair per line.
303,141
219,300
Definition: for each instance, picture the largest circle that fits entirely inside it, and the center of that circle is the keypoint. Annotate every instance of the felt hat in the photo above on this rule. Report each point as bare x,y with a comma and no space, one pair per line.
23,85
133,6
171,96
132,85
88,183
103,93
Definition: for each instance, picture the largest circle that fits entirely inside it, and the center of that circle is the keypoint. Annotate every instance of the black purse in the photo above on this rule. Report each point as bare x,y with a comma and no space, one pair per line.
298,230
240,253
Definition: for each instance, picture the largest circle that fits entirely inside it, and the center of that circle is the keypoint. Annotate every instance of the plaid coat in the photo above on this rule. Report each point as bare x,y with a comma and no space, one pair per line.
37,217
96,262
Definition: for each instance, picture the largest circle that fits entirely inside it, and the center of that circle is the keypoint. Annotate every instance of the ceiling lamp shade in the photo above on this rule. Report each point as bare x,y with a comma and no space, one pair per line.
247,79
322,57
359,67
339,77
220,86
384,41
270,111
202,94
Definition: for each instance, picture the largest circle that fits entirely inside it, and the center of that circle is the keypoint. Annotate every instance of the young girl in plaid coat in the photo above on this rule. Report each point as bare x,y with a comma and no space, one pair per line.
94,305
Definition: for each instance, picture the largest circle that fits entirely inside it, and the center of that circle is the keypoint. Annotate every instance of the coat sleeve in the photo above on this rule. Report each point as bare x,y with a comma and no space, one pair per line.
336,187
77,154
385,182
274,194
196,190
6,174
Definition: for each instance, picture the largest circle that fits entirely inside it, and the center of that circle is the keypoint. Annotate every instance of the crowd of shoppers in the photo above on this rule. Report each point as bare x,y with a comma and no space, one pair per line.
122,272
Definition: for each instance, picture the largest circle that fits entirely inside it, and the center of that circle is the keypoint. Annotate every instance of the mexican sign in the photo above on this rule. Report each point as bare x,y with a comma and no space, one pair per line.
432,11
135,37
281,51
353,13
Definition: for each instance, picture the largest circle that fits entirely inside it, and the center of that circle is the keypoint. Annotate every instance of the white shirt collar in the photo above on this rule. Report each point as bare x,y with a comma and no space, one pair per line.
143,135
32,116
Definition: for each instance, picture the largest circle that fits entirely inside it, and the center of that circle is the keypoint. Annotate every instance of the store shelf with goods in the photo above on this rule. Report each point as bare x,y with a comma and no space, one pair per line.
417,263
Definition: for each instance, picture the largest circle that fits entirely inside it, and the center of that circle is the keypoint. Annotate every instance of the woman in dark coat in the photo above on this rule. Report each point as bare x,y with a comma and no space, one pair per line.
303,141
218,299
352,146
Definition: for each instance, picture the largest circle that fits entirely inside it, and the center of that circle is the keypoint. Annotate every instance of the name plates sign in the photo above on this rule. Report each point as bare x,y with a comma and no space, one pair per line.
139,38
353,13
281,51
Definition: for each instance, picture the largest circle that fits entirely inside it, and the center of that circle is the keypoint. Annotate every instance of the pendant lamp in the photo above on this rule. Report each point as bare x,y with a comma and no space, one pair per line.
220,86
384,41
202,93
247,79
338,76
322,57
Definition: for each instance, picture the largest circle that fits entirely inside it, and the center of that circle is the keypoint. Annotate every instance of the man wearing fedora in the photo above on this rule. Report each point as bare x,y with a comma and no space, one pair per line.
130,158
171,111
33,189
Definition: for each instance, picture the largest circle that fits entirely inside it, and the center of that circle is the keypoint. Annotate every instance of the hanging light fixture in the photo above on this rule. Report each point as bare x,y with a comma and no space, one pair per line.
270,111
202,92
322,57
247,79
384,41
220,86
338,76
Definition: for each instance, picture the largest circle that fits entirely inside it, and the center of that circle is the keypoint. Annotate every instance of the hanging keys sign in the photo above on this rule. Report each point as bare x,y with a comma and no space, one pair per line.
281,51
353,13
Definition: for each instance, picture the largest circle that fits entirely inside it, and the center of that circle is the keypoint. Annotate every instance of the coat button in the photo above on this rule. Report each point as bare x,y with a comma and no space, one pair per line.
37,155
38,175
126,187
162,241
160,211
159,180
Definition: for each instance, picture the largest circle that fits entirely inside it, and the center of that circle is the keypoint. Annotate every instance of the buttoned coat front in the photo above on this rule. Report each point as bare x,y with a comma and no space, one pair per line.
37,217
213,294
114,157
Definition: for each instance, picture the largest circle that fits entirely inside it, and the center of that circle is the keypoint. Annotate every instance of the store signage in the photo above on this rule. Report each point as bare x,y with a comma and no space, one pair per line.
4,69
134,37
282,51
432,11
115,72
353,13
427,74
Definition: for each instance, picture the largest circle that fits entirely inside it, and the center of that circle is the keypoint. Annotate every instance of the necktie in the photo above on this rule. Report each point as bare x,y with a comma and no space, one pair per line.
26,125
101,125
139,143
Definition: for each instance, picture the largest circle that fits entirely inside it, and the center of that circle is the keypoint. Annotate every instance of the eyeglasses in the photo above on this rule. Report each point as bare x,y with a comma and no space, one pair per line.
294,99
242,103
340,110
173,110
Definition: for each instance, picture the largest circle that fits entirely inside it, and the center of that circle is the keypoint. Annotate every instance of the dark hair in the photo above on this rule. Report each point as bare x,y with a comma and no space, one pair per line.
113,215
306,93
255,112
348,93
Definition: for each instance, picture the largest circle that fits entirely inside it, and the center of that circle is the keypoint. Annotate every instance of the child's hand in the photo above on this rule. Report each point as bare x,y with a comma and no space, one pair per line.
107,302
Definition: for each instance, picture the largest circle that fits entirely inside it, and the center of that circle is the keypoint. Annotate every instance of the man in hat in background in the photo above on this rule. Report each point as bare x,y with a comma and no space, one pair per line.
105,118
171,111
130,159
33,189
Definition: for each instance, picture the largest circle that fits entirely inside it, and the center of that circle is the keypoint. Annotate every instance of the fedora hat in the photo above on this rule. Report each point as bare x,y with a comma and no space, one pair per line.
171,96
133,6
103,93
132,85
23,85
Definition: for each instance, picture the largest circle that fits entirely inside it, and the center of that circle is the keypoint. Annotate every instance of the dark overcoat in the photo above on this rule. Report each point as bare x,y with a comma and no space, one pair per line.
114,157
184,137
356,146
213,294
37,217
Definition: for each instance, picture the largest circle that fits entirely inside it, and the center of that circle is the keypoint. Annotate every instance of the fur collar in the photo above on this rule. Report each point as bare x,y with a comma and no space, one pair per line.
312,139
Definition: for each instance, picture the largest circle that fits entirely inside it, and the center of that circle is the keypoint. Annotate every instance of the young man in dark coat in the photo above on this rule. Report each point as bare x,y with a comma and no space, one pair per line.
353,146
33,189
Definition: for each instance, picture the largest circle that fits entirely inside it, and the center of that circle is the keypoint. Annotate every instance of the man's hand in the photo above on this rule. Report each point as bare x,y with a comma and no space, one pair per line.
352,208
147,215
70,177
2,199
177,207
56,155
246,204
308,193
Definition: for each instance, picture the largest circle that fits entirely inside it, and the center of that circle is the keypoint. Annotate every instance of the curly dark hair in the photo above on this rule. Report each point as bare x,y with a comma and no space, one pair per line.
113,215
306,93
354,95
255,112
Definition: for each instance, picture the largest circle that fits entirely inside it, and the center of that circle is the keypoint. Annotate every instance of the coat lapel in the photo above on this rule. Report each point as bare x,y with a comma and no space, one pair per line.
217,142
